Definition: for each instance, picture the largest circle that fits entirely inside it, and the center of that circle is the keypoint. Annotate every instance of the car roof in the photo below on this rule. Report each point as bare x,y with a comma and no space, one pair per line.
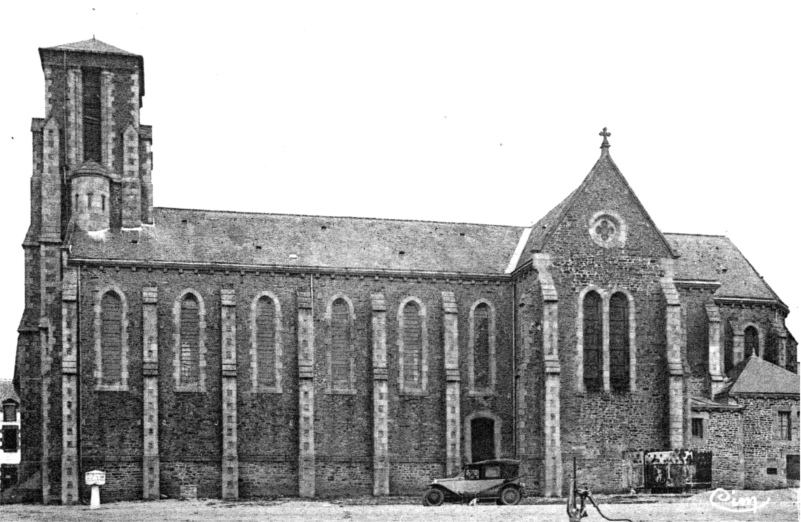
507,462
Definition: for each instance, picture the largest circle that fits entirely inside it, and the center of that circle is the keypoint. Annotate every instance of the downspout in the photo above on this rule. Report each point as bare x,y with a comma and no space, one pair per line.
78,381
514,367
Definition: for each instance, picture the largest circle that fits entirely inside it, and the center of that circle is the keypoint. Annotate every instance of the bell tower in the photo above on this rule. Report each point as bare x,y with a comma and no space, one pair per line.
93,94
91,172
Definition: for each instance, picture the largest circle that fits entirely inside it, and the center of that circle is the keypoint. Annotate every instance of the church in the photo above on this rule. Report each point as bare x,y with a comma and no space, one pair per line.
255,355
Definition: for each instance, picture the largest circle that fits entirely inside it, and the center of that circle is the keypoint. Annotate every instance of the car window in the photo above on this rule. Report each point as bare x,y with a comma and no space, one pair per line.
471,474
492,472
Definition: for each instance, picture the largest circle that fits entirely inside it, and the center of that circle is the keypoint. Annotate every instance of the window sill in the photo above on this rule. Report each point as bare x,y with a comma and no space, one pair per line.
481,393
414,393
341,391
189,389
267,390
111,387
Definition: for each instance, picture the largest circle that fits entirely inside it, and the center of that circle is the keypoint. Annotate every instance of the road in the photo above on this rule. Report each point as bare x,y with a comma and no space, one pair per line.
781,506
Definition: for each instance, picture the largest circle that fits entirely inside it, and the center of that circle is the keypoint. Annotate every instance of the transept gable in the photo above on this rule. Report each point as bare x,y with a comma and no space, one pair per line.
602,215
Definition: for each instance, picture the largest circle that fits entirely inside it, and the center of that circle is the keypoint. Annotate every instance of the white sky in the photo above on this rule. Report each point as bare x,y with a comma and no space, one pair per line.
454,111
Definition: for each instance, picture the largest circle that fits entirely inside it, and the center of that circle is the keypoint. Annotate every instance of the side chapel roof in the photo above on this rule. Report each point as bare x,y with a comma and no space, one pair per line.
755,375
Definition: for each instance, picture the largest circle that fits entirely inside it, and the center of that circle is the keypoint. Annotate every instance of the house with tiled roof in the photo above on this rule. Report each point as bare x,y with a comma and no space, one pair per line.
9,435
249,355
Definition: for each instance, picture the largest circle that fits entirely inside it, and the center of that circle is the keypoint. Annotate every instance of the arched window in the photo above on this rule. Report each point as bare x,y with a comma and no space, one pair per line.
751,341
111,338
340,355
412,338
593,342
266,342
189,374
481,347
619,342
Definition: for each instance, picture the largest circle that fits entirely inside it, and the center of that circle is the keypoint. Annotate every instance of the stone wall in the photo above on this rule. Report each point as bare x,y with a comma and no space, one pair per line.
764,450
723,436
267,422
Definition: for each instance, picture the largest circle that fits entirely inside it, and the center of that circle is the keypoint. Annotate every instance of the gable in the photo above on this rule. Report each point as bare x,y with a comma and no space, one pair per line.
602,214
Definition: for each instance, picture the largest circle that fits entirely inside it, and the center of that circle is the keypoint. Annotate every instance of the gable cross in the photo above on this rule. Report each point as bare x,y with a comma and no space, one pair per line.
605,134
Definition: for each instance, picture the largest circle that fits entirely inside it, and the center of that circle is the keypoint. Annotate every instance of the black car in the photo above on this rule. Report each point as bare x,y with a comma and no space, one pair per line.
495,479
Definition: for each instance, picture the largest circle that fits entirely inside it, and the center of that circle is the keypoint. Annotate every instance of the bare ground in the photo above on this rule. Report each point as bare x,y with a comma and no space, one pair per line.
776,506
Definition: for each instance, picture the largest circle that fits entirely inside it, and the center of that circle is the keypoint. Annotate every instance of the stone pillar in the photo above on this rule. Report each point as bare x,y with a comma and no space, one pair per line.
74,110
150,389
380,397
715,350
552,465
673,331
51,184
230,462
453,430
69,388
780,333
45,350
131,195
306,460
107,124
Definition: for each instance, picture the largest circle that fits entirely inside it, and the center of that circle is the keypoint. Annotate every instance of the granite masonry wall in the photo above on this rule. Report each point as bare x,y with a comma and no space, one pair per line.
189,431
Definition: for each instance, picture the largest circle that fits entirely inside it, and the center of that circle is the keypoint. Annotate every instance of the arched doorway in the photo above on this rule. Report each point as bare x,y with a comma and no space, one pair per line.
482,436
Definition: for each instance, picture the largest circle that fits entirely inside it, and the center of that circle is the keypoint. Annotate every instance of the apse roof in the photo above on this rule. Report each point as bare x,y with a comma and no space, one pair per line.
715,258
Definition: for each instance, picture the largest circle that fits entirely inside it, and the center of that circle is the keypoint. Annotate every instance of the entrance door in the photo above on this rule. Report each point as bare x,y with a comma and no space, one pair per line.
482,439
792,468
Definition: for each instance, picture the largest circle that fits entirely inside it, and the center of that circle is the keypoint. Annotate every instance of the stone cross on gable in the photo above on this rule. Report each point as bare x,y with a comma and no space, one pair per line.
605,134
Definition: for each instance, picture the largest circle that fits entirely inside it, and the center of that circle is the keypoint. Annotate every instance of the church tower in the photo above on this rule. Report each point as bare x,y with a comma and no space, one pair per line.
91,172
97,172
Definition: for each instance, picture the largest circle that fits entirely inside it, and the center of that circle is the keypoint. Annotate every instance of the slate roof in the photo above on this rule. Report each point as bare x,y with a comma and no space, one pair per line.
91,46
757,376
238,238
7,390
715,258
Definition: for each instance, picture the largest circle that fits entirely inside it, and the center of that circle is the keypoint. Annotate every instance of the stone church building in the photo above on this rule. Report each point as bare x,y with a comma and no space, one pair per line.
265,354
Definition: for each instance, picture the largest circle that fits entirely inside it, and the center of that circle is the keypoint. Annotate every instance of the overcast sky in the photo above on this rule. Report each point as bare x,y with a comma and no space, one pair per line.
451,111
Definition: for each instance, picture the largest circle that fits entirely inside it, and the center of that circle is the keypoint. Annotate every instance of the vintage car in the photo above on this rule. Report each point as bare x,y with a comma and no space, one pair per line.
496,480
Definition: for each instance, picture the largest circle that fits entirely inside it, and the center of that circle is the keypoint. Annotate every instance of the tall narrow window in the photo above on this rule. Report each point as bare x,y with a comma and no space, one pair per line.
481,347
265,342
91,115
111,338
340,345
412,346
593,342
619,342
190,341
751,342
785,426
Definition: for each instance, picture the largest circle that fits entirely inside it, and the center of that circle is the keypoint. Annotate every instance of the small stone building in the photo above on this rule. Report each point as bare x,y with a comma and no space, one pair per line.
751,428
263,354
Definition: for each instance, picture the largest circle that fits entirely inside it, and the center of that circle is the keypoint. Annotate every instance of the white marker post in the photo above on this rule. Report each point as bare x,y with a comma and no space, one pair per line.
95,479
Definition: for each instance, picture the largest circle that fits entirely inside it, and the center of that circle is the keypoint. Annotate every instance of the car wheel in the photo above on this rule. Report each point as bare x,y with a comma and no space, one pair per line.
510,496
434,497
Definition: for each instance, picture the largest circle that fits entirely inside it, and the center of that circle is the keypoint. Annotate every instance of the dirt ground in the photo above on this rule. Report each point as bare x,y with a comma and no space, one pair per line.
772,506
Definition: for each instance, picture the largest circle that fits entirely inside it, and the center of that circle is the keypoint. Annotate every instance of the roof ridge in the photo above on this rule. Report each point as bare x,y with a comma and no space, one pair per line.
694,234
342,217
